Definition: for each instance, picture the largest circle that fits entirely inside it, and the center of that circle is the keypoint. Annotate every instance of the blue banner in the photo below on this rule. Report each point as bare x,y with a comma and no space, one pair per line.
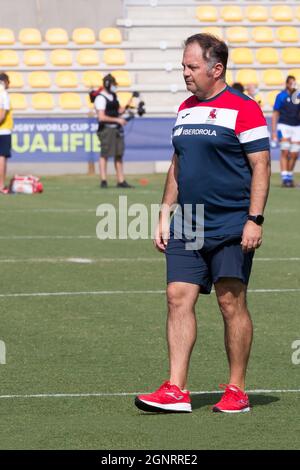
75,140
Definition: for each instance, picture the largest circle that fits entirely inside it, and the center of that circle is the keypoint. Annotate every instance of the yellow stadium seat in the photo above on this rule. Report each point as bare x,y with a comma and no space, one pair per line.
242,55
287,34
6,36
66,79
88,57
257,13
232,13
214,30
30,36
34,57
110,36
281,13
207,13
88,103
92,78
70,101
16,79
39,79
291,55
42,101
18,101
83,36
237,34
57,36
9,58
267,55
114,57
298,13
124,97
262,34
273,77
247,76
229,77
295,73
61,57
271,97
122,77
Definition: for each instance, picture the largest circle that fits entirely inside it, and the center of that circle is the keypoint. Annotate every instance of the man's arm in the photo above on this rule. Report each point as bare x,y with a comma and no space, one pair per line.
3,113
275,117
261,172
104,118
169,199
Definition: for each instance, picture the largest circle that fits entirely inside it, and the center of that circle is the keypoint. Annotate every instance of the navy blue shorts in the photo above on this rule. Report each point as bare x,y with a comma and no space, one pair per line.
219,257
5,145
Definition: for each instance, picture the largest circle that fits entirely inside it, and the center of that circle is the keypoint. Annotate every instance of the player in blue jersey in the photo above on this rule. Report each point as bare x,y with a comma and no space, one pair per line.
286,130
221,162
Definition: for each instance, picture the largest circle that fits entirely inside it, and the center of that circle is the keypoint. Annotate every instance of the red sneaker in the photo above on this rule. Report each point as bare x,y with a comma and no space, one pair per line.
4,190
167,398
232,401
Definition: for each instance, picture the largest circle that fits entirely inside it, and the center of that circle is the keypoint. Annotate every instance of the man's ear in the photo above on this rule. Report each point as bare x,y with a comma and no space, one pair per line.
218,70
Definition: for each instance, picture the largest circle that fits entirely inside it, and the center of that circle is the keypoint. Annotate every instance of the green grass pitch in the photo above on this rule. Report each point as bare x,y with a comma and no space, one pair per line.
115,343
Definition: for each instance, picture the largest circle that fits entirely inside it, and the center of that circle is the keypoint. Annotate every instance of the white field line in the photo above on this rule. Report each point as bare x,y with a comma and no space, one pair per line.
45,237
109,260
128,394
83,209
122,292
48,210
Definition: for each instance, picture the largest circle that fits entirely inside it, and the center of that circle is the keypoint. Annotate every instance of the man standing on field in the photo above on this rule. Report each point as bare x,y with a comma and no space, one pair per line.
221,161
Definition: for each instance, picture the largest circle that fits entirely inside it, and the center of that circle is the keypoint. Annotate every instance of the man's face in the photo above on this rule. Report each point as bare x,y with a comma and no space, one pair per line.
198,78
291,84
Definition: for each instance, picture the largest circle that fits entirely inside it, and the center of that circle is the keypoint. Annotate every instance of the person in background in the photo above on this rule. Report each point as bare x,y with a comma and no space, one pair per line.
111,131
6,126
286,130
252,92
238,86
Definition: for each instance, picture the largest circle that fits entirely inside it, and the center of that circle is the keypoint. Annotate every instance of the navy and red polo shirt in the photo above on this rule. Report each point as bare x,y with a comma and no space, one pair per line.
212,139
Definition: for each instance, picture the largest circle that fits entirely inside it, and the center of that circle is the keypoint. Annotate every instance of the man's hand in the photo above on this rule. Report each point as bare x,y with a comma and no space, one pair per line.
252,237
162,235
121,121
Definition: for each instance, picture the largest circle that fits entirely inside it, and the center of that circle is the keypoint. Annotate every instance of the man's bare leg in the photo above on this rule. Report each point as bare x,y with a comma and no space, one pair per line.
231,295
2,172
103,168
181,329
119,170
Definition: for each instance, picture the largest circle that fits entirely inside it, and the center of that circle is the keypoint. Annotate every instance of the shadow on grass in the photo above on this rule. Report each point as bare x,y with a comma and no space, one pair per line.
199,401
210,399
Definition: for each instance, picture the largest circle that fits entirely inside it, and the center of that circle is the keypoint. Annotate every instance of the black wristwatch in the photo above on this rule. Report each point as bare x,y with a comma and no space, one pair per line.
258,219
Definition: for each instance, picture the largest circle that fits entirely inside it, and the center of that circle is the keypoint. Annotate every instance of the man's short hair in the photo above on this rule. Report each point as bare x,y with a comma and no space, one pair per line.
289,77
4,77
214,50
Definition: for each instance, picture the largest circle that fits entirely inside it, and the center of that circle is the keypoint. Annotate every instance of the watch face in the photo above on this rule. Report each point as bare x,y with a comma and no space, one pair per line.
260,219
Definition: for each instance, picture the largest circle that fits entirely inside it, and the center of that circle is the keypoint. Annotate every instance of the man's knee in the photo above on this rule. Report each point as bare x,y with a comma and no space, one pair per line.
181,295
228,306
231,297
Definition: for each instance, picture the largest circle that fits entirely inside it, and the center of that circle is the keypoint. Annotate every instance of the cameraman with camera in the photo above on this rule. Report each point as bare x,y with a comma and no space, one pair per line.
110,130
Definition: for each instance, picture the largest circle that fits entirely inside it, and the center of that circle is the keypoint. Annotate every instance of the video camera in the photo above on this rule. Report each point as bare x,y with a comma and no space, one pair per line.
140,108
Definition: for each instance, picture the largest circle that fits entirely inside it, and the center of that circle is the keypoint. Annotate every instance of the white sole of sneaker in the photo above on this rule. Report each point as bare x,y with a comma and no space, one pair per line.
244,410
186,407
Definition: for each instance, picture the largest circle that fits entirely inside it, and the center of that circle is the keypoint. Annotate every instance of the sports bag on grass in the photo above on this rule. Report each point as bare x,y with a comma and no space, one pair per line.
25,185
